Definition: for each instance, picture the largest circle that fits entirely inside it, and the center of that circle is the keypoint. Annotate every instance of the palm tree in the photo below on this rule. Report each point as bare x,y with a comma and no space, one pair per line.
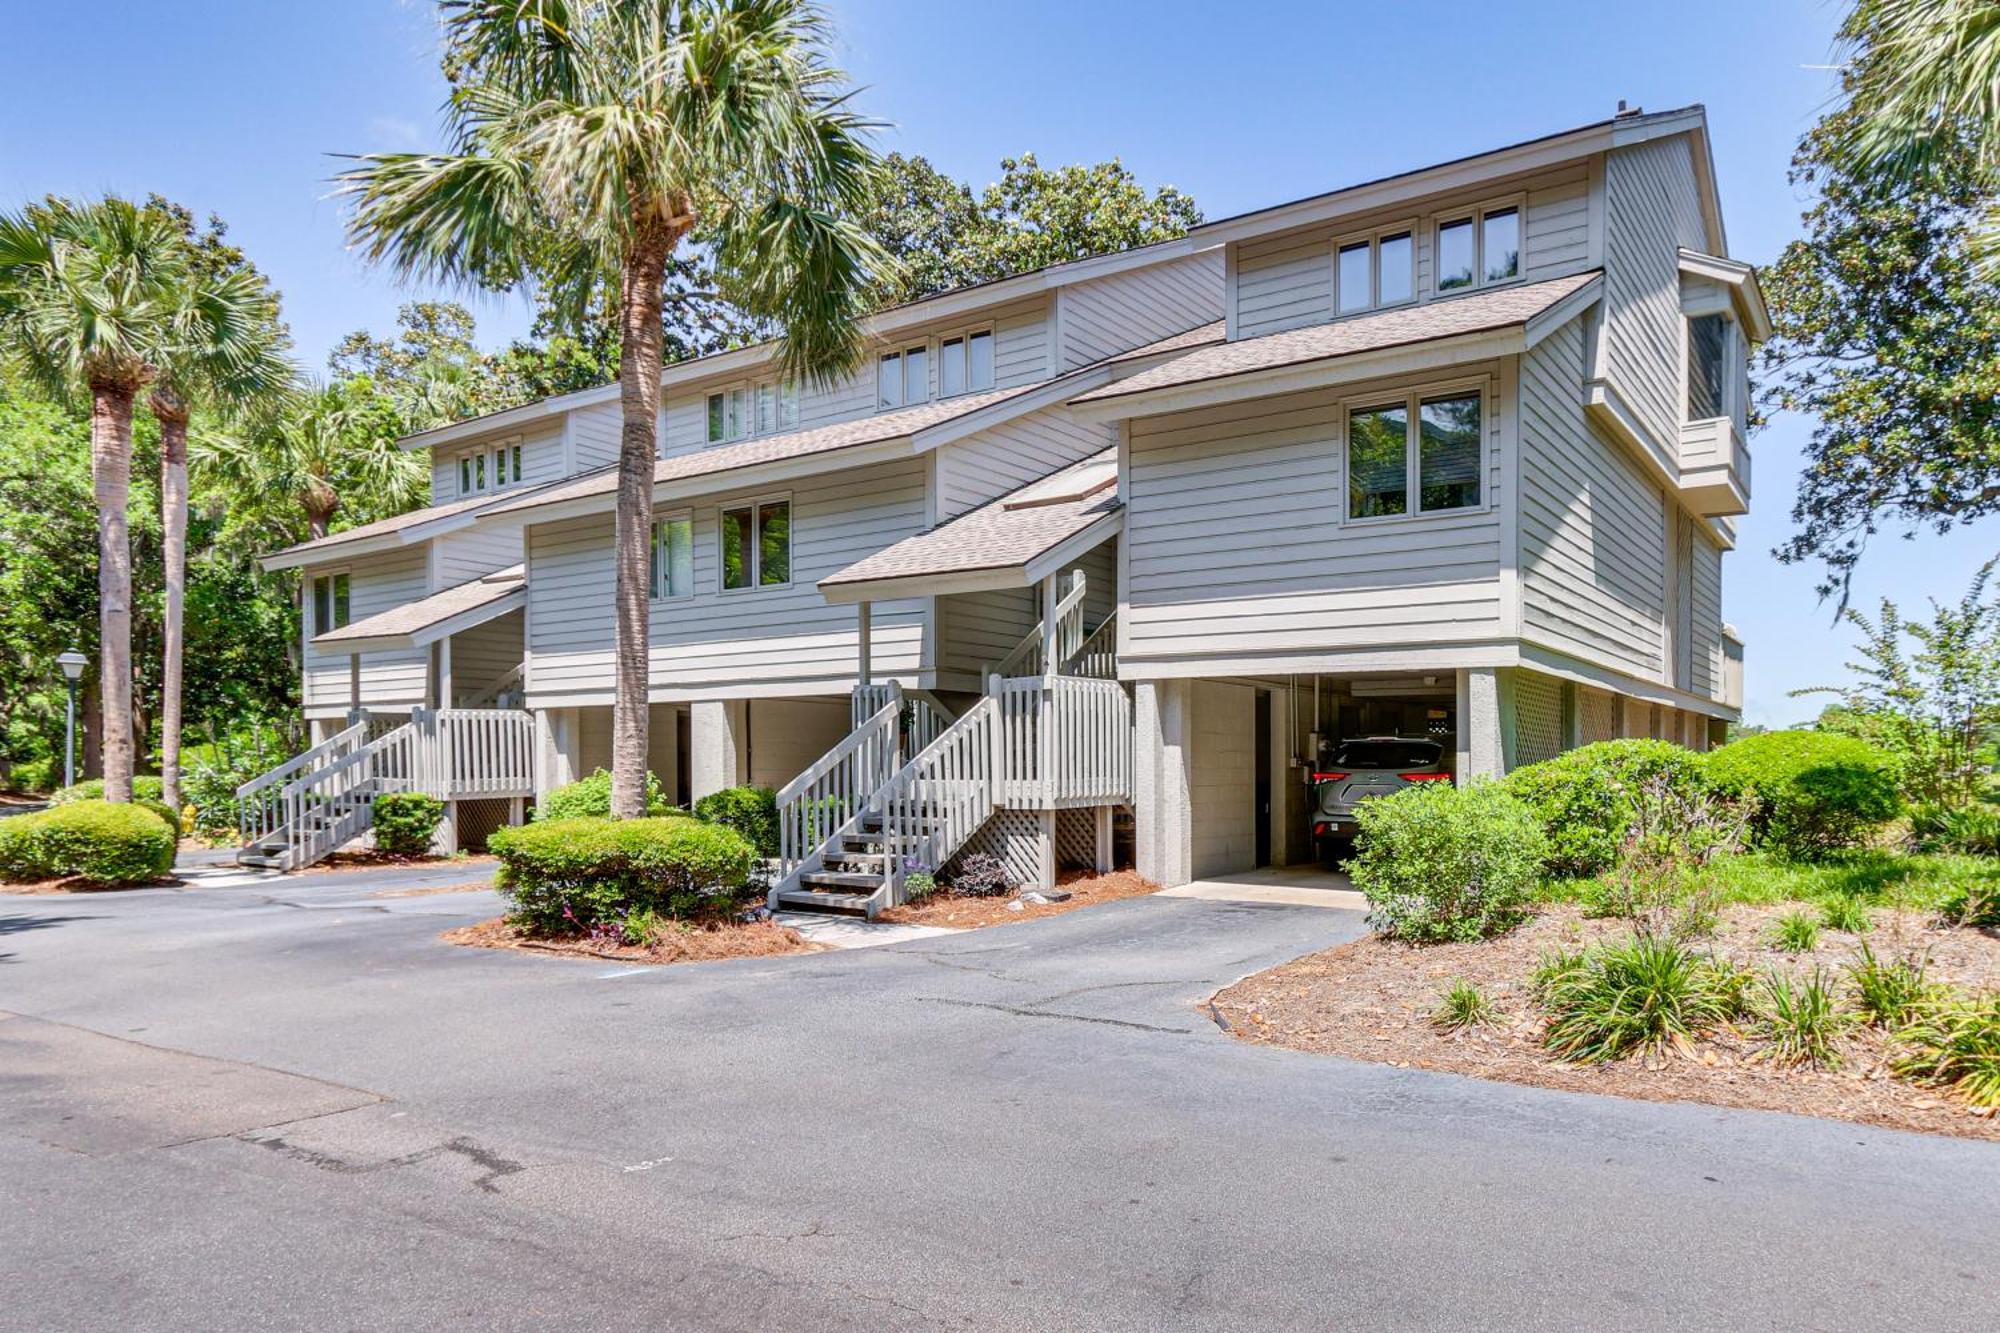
1923,79
225,346
589,138
88,296
321,451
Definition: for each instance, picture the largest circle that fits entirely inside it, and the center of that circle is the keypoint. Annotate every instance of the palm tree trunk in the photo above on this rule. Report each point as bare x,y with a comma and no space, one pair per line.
171,412
638,452
111,479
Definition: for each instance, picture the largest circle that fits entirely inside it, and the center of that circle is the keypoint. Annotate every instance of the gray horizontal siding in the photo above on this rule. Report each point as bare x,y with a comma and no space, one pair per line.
1127,310
482,656
992,462
480,549
389,680
1236,543
1592,529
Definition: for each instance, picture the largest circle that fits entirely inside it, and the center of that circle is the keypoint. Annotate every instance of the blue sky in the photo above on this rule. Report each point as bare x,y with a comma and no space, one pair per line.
236,105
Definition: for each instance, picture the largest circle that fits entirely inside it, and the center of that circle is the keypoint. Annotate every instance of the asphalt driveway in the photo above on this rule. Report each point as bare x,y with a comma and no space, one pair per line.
288,1106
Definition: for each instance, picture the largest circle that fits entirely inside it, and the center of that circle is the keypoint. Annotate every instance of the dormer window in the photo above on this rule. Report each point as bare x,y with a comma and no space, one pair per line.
965,363
489,469
1709,340
744,410
1375,270
903,377
1479,249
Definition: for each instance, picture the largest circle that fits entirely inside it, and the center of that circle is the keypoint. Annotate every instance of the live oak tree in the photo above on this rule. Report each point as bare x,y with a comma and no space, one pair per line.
588,141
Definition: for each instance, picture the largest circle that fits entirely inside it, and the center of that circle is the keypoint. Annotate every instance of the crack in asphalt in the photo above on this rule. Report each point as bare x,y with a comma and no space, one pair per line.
1020,1012
818,1228
494,1165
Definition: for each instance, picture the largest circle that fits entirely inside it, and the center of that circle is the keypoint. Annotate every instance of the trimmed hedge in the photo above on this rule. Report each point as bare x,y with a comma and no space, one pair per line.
1584,798
751,811
1811,792
99,841
405,822
1438,862
144,788
563,876
591,797
168,815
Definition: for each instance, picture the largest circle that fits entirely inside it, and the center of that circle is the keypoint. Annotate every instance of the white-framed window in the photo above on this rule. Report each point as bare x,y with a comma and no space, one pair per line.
755,537
728,415
1712,360
673,556
1375,269
330,602
743,410
489,469
903,377
965,362
1479,248
1422,452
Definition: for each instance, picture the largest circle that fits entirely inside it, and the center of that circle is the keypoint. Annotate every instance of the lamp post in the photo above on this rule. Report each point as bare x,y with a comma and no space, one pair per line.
72,664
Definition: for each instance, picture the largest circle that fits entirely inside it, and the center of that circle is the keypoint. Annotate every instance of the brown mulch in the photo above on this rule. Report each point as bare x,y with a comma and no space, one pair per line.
469,886
696,944
1371,1000
38,887
371,860
1084,888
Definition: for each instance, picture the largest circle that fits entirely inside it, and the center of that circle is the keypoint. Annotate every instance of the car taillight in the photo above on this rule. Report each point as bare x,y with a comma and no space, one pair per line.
1329,777
1425,777
1319,830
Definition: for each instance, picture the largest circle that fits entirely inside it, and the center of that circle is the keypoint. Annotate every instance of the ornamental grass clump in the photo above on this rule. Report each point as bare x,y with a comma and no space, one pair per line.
1887,993
1440,863
1461,1005
1801,1019
1954,1041
1794,932
1638,996
1845,912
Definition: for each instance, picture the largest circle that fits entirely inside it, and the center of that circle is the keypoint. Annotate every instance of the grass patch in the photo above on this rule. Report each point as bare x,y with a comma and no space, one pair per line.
1872,877
1795,932
1802,1019
1848,915
1461,1005
1635,996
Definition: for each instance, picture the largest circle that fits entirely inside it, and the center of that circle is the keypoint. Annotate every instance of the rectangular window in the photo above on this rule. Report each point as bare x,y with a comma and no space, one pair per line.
951,367
1500,244
979,361
673,557
917,374
767,408
465,475
1379,271
1429,448
1356,277
1708,351
330,604
889,380
728,414
1455,261
1396,265
716,418
757,545
1448,453
340,602
788,406
479,472
1378,468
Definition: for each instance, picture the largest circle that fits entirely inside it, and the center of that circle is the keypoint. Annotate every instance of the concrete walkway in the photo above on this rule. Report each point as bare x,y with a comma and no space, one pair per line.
1290,886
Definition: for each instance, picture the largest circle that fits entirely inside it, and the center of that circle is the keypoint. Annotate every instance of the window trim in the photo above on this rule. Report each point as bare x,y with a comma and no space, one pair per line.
1476,214
332,577
963,337
1733,399
1413,228
781,390
1410,398
483,463
755,504
660,520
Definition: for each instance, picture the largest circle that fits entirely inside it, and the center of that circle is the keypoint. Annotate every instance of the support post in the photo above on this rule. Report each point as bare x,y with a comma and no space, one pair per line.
1101,853
1479,752
717,732
443,699
353,688
1050,596
864,622
1160,797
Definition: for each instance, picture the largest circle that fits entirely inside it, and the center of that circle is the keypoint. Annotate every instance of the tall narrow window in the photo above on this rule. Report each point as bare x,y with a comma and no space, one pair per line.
1500,244
767,408
330,602
479,472
889,380
1356,277
717,418
1708,346
1378,453
951,367
673,557
788,406
979,361
1396,268
517,462
917,374
739,554
465,475
1455,259
1448,453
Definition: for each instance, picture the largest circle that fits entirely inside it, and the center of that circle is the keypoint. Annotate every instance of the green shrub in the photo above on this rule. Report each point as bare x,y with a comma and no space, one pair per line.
1887,994
591,796
1439,862
1461,1005
168,815
36,775
1971,905
564,876
1969,830
1802,1020
144,788
1635,996
211,790
1811,792
1585,798
98,841
406,822
1794,932
1954,1041
751,811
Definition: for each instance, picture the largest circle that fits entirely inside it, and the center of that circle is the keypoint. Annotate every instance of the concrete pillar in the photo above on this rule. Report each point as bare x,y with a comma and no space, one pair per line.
865,634
1479,740
663,742
1161,741
558,748
718,745
1045,850
1101,828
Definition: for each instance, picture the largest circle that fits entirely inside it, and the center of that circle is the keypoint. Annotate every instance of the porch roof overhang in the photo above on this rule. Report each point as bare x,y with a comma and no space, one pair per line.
1437,334
439,616
1015,541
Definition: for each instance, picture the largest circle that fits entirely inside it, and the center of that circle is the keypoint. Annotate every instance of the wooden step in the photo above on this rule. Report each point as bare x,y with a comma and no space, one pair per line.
854,904
839,880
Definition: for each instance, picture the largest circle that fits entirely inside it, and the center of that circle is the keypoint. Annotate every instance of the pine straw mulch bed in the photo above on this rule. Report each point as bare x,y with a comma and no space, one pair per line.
695,944
1085,890
74,884
340,862
1371,999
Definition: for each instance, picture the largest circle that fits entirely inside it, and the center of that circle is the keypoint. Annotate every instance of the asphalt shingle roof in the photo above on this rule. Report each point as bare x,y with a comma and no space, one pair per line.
416,617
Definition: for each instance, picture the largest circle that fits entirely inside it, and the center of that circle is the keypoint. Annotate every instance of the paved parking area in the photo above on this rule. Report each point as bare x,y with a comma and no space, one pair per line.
286,1105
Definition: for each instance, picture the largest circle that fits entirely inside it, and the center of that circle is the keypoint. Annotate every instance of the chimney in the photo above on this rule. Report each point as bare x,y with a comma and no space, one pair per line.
1626,112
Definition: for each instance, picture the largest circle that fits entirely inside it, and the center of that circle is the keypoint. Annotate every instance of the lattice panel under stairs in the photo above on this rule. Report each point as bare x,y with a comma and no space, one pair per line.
1538,718
1600,716
478,819
1076,839
1015,836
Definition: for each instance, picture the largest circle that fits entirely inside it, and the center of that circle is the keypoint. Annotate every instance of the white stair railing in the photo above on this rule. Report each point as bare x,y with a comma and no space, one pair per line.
509,684
829,798
1063,741
484,752
937,801
1025,659
1097,656
260,805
